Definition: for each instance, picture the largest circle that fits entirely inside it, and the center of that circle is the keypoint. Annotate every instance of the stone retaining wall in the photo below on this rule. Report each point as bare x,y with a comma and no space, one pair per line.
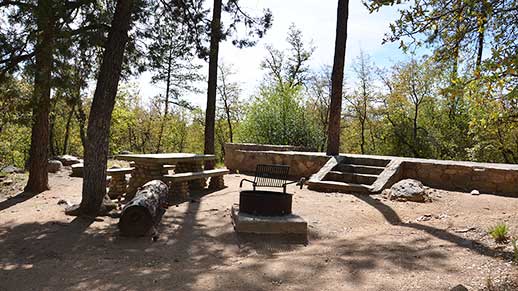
499,179
245,157
231,147
464,176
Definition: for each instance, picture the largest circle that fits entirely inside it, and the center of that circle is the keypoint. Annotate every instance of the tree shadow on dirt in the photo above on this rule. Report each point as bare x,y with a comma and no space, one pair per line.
393,218
197,249
18,198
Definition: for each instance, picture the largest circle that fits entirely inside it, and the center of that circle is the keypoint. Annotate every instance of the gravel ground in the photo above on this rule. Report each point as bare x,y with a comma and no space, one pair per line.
356,242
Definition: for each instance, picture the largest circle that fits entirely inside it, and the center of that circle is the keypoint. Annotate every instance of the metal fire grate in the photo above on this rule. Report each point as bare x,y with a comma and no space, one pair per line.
270,176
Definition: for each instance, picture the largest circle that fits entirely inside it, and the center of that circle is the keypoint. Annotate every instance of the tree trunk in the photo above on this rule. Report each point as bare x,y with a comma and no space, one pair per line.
362,144
166,102
230,133
98,132
52,139
337,78
414,128
81,120
210,114
144,212
67,129
38,154
480,37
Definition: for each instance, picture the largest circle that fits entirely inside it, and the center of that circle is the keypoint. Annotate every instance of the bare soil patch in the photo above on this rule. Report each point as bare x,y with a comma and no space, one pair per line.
357,242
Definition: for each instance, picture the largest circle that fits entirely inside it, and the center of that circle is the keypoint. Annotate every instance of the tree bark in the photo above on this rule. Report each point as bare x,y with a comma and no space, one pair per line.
337,77
210,114
97,141
81,120
67,129
166,102
480,37
38,154
144,212
52,139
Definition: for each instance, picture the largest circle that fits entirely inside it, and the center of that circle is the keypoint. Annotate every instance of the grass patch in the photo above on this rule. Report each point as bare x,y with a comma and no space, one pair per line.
499,232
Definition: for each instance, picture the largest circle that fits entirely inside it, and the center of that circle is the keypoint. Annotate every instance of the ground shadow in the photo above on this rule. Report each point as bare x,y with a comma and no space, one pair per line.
18,198
393,218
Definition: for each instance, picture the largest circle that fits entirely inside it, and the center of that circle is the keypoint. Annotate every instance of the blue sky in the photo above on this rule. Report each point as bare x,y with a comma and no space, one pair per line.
317,21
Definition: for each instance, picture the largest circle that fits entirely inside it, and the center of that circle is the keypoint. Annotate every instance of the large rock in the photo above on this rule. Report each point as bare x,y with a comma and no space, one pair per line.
11,169
407,190
54,166
77,170
68,160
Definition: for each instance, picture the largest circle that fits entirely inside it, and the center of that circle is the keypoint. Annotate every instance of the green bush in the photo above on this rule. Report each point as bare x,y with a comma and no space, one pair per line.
499,232
277,116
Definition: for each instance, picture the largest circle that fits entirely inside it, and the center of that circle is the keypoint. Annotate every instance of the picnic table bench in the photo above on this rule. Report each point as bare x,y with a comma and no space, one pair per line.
150,167
179,182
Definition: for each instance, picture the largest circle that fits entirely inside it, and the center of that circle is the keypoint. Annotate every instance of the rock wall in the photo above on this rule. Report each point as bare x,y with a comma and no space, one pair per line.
244,158
231,147
499,179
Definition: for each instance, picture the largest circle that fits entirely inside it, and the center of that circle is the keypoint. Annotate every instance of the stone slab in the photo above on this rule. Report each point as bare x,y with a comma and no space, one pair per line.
333,161
121,171
195,175
167,158
288,224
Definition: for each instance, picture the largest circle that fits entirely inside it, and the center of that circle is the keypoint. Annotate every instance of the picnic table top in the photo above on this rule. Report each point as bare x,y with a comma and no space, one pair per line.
166,158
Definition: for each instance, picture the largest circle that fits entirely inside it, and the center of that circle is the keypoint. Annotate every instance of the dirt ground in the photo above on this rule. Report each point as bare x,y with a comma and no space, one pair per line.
356,242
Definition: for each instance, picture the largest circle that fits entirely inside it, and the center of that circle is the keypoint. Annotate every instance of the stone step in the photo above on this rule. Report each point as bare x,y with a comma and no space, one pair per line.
367,161
347,177
359,169
334,186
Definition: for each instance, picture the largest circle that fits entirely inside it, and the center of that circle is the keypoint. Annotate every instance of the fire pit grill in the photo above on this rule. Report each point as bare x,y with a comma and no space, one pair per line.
265,203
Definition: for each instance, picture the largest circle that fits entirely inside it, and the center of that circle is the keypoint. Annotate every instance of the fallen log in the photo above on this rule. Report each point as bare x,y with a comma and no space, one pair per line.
144,212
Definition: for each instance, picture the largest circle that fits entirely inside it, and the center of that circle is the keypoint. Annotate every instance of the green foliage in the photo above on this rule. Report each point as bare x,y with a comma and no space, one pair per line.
136,127
278,117
14,145
499,232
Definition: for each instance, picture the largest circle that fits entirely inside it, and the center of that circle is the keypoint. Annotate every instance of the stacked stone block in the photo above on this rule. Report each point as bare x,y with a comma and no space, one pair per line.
217,182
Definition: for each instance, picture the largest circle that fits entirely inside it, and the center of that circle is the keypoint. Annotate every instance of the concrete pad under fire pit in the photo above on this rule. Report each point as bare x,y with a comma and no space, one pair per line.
291,224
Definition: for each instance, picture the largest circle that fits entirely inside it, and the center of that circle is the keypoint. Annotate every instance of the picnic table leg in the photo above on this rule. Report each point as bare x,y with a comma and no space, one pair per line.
142,174
216,183
192,167
178,190
117,186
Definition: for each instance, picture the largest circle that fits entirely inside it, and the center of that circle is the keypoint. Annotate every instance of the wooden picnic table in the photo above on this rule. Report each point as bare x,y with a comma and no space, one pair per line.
150,167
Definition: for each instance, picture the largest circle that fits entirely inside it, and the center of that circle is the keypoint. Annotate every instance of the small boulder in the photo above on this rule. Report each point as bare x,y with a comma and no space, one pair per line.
77,170
68,160
459,287
8,182
475,192
54,166
407,190
11,170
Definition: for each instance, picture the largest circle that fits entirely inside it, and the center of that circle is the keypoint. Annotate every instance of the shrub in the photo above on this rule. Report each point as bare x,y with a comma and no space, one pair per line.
499,232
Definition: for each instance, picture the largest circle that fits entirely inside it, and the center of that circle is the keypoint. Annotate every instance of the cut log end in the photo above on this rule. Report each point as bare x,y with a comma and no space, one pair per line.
140,216
136,221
